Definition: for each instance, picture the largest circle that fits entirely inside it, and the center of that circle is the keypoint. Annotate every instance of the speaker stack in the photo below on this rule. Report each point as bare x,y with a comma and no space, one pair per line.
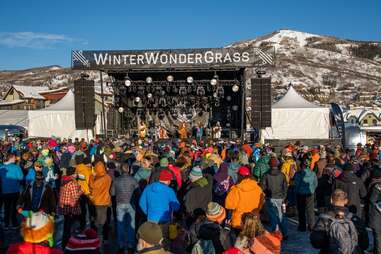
84,94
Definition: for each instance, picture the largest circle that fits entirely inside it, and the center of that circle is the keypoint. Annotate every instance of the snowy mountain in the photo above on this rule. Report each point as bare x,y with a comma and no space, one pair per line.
322,68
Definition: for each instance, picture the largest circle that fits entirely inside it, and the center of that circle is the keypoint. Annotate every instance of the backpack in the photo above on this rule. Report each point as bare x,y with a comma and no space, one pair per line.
342,234
203,247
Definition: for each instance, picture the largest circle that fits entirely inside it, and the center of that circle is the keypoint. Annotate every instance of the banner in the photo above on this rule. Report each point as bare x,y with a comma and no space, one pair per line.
172,58
339,121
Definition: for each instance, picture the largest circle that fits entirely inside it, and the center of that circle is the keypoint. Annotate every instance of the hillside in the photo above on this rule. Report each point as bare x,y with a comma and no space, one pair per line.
323,68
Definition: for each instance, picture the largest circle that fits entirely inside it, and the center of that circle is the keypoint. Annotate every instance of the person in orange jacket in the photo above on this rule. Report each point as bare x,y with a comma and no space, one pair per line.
246,196
100,185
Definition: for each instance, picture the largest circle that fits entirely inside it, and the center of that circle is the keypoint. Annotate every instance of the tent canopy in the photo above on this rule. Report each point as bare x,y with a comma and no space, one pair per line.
66,103
293,117
292,99
56,120
14,117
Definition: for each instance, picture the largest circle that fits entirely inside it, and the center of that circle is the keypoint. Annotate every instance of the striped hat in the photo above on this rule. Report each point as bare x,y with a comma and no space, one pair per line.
215,212
195,174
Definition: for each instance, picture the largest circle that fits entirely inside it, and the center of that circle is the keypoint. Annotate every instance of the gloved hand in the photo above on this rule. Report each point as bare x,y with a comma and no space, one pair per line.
25,213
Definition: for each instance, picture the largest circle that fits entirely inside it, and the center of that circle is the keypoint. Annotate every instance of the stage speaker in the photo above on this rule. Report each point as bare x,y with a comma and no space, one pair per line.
261,102
84,95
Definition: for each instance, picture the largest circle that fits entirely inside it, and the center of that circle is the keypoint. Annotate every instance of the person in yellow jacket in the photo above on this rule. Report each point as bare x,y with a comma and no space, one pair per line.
246,196
100,185
289,167
84,173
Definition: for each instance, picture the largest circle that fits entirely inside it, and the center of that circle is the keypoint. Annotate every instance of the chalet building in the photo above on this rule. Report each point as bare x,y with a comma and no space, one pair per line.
31,97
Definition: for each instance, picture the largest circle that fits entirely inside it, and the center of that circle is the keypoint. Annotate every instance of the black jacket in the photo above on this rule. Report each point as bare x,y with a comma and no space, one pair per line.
374,206
319,235
198,196
220,237
354,188
47,202
274,184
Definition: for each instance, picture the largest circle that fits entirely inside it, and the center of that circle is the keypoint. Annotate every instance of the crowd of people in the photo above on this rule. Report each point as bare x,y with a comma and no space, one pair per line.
183,196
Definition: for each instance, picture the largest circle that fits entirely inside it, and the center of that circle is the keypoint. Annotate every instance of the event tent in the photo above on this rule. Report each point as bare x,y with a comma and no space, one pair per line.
14,117
56,120
293,117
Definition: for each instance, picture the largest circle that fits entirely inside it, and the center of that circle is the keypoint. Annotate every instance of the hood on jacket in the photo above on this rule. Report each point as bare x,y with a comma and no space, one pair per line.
274,171
247,185
348,177
209,230
100,169
158,186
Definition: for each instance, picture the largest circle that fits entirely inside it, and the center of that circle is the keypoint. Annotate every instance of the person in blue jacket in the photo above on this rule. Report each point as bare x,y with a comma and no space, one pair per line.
305,182
11,176
158,201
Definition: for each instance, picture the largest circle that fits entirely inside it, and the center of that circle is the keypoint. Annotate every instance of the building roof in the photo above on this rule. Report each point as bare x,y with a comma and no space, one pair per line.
292,99
5,103
31,92
61,89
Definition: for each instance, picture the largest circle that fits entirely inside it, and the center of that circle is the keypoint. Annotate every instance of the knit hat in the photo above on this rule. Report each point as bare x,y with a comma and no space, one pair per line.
195,174
243,171
164,162
37,228
165,176
150,233
273,163
215,212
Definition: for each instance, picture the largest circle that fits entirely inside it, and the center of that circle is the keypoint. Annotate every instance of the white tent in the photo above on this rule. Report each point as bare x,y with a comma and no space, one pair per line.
56,120
14,117
293,117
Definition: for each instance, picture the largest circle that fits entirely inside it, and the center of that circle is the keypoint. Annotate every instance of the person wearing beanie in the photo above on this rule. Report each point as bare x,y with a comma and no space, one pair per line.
353,186
274,185
38,196
150,238
211,230
305,183
37,231
176,181
245,196
158,201
199,191
126,188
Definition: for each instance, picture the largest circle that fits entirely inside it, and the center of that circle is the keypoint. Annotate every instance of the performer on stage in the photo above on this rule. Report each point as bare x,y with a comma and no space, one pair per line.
183,132
162,132
142,128
217,130
199,131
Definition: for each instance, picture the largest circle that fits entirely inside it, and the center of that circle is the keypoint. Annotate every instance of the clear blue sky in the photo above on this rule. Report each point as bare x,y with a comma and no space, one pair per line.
43,32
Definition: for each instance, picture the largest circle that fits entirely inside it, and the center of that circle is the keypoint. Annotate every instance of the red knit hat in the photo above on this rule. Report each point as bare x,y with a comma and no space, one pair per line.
165,176
243,171
273,163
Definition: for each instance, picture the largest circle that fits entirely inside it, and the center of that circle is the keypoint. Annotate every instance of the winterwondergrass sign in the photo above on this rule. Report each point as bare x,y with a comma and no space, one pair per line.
178,58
